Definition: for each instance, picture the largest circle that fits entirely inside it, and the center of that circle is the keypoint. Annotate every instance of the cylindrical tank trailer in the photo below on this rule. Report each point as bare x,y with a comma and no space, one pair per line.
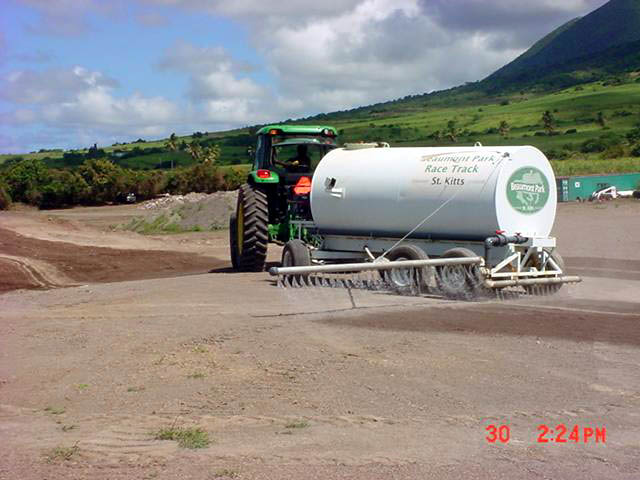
467,193
491,207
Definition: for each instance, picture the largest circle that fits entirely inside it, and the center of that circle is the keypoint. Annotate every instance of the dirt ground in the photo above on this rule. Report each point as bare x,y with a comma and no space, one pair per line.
151,332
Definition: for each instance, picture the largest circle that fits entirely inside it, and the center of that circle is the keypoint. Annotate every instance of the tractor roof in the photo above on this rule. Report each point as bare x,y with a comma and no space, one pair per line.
297,129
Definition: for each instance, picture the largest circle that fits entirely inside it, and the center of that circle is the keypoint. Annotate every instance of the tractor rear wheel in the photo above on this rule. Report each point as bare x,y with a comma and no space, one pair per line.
233,240
252,229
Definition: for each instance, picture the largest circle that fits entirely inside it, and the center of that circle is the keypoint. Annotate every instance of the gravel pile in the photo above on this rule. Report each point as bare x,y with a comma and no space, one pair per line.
170,201
181,213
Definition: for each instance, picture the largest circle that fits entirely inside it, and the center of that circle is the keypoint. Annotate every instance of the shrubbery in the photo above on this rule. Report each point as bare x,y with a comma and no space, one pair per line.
99,181
5,199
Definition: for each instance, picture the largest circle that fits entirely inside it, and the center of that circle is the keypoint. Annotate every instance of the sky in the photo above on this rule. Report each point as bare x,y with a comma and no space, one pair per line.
78,72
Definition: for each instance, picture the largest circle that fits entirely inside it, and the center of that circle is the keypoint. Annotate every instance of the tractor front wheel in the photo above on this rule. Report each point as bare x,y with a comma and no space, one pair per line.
251,229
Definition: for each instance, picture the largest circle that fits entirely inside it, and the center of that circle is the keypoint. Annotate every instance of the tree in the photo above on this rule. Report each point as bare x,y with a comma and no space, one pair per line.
26,179
211,154
452,130
548,121
504,128
601,120
195,150
105,180
172,145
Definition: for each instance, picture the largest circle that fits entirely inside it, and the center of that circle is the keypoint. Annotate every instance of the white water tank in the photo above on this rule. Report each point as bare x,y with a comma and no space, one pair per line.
467,192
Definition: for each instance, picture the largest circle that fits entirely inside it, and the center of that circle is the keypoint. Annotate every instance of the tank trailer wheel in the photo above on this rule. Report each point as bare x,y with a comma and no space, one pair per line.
296,254
233,240
252,228
547,289
459,281
402,278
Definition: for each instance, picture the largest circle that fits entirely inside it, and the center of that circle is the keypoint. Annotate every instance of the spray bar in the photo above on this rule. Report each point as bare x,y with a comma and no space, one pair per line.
368,266
531,281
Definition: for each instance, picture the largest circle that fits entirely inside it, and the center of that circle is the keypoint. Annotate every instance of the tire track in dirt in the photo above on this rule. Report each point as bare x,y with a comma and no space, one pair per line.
27,262
37,274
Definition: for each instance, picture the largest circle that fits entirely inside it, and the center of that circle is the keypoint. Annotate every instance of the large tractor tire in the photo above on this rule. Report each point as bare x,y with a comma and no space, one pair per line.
233,240
252,229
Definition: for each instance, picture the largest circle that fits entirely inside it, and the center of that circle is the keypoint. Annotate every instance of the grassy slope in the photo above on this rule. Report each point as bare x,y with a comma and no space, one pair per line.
411,122
576,109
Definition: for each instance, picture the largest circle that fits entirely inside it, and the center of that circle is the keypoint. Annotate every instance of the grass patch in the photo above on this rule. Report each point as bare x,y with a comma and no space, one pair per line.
196,375
160,225
55,410
297,424
186,437
68,428
135,389
82,386
62,454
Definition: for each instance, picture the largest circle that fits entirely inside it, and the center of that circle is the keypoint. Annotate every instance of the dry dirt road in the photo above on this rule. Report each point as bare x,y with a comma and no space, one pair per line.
299,384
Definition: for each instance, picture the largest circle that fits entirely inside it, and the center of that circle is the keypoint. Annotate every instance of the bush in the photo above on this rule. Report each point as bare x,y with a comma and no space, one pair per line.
556,154
614,151
571,131
593,145
5,199
633,136
26,179
635,151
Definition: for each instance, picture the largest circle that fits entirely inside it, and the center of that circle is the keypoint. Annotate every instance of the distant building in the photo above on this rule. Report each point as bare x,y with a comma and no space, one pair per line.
580,187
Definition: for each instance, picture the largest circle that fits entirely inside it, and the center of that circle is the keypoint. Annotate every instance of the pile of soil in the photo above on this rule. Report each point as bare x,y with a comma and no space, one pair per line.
183,213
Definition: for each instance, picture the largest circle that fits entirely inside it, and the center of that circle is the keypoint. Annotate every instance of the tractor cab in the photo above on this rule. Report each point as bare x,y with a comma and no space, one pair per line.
277,190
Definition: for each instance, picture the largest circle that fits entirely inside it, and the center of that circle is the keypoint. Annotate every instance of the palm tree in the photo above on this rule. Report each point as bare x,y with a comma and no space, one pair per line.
172,145
549,121
195,150
452,130
210,154
504,128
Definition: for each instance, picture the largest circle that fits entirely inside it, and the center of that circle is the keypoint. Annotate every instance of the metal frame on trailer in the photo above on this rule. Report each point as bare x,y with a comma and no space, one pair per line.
503,265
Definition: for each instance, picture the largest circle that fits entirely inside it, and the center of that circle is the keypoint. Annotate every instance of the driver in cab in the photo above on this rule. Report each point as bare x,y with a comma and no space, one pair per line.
301,163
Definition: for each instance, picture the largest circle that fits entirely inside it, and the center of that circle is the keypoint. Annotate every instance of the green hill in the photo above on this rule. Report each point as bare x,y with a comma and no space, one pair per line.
604,41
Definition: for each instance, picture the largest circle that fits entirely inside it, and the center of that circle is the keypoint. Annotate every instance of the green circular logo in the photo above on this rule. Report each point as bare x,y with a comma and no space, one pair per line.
528,190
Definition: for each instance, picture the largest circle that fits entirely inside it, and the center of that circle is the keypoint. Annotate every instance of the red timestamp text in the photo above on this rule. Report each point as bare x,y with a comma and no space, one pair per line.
572,434
560,433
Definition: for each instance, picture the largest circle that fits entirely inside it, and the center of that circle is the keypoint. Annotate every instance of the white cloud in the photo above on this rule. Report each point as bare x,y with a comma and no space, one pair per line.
219,89
81,100
318,57
52,85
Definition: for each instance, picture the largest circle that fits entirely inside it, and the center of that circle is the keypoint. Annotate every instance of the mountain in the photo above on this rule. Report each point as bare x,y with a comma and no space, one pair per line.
606,41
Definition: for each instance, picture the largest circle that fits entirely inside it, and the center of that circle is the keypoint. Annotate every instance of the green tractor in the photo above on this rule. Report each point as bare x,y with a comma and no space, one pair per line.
274,203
